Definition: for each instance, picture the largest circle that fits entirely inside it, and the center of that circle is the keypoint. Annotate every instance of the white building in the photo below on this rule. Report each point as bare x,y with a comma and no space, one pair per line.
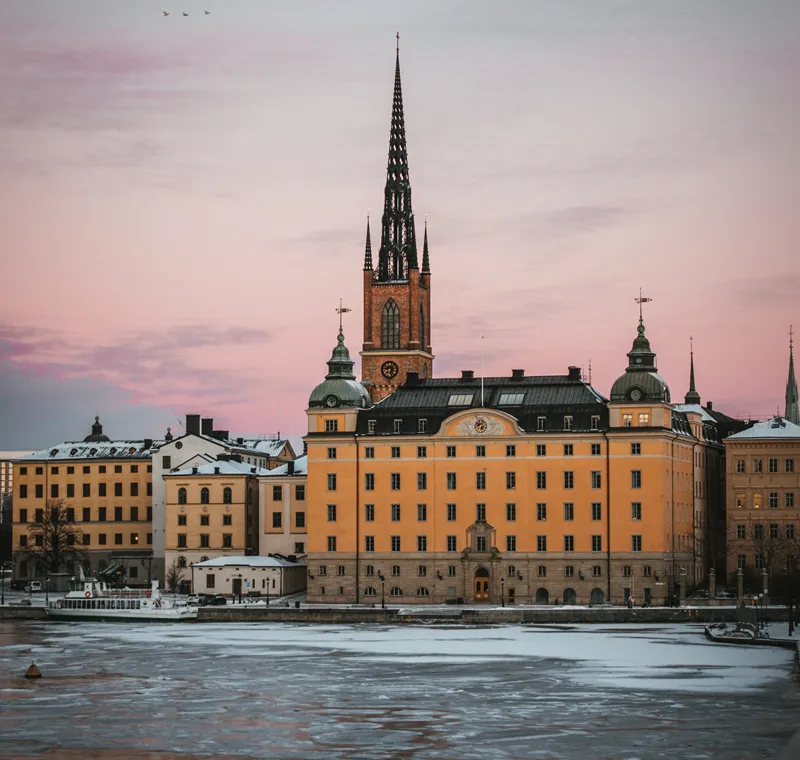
253,576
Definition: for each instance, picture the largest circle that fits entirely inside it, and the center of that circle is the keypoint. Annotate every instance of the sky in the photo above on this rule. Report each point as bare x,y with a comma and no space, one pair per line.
185,197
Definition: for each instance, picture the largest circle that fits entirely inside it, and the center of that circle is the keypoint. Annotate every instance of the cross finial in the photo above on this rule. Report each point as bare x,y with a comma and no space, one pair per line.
341,310
398,42
640,300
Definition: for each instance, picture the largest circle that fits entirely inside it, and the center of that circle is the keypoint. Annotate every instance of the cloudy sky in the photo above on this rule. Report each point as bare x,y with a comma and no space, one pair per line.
184,198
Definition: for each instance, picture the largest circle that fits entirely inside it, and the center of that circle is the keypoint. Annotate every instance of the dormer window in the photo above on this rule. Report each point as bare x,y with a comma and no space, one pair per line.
511,399
460,399
627,420
331,426
370,426
397,425
567,422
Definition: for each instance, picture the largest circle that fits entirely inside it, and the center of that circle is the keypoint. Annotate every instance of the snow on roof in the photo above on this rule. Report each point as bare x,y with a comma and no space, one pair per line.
220,467
96,450
697,409
255,561
300,467
777,427
269,446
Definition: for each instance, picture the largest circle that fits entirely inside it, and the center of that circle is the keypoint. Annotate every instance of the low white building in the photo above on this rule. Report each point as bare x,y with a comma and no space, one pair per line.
254,576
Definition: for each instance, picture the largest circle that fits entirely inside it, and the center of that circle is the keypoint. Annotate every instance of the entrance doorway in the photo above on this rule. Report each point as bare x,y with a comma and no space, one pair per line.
237,587
481,585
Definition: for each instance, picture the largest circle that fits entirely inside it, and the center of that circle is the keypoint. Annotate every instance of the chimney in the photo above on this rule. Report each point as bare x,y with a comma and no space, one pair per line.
467,374
216,470
208,426
148,443
709,406
290,467
574,373
193,424
517,373
194,470
220,435
236,458
412,379
240,441
252,469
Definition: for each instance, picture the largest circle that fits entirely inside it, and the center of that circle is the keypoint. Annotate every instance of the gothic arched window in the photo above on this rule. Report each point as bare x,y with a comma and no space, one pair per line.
390,325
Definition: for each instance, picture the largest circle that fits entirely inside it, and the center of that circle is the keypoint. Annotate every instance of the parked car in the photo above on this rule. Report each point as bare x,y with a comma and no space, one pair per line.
193,600
33,586
219,599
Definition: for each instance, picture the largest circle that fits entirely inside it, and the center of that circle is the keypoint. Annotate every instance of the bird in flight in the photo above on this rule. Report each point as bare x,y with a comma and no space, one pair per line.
166,13
185,14
207,12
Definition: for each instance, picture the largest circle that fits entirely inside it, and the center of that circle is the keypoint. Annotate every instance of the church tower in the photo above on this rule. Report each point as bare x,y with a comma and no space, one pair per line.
397,293
792,412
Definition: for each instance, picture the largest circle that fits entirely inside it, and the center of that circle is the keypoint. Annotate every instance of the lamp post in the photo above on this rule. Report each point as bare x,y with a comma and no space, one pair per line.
383,598
502,592
240,588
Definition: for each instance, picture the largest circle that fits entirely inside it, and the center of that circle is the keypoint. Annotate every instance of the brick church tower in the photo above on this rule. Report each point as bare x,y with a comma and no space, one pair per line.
397,294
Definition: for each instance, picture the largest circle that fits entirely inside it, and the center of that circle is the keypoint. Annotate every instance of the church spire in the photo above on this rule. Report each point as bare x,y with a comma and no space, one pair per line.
792,412
368,249
692,397
398,252
426,261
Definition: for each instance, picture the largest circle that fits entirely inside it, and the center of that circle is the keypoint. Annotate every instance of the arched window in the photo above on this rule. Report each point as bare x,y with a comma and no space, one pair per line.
370,570
542,596
570,597
181,561
390,325
369,591
597,596
204,496
204,559
422,591
422,342
181,496
227,496
396,591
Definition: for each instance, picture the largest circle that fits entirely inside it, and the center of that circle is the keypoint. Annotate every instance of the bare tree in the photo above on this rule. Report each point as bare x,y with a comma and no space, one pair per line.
174,577
55,540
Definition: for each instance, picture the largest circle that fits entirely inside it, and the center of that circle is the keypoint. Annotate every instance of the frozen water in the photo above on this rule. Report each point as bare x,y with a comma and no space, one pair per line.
372,691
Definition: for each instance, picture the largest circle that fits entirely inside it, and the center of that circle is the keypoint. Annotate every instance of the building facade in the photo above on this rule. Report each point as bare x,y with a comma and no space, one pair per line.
106,488
261,577
282,513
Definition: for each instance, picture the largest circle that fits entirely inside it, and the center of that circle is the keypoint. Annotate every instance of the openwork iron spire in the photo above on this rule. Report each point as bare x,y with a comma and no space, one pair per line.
398,253
368,249
692,397
792,406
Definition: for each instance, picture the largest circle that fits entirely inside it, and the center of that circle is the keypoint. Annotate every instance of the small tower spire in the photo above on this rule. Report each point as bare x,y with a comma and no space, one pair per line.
368,250
792,406
692,397
426,261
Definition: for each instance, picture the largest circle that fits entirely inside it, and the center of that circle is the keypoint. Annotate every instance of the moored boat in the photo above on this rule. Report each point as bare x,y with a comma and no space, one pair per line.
93,600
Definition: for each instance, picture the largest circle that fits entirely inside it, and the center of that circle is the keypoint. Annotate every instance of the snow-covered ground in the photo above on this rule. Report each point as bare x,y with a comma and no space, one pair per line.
373,691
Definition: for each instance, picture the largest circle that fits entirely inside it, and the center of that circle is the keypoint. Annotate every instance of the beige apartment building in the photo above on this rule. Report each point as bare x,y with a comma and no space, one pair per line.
282,513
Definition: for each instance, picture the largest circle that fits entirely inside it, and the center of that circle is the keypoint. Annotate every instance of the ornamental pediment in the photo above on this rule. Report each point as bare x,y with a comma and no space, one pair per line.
480,424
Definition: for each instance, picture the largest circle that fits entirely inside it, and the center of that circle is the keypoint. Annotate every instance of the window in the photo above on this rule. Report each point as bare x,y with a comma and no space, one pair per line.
422,452
595,423
759,561
390,323
369,513
396,591
597,571
227,495
636,478
511,481
227,519
541,449
511,399
757,499
331,481
422,543
134,489
422,512
23,515
86,539
299,520
758,465
773,464
395,481
597,479
323,570
480,512
569,543
39,516
331,513
117,514
205,542
541,543
277,519
647,571
569,479
371,429
277,493
636,543
397,426
790,530
451,451
422,426
740,500
395,452
644,419
451,481
227,540
331,543
204,496
369,452
395,513
569,511
569,450
541,511
626,571
331,452
741,561
511,512
369,570
480,543
627,420
87,490
101,514
331,426
369,481
541,424
636,510
480,481
789,465
395,543
369,545
422,481
541,479
451,512
511,450
597,543
541,571
117,468
134,514
758,532
569,571
101,539
181,519
567,422
451,544
773,500
460,399
395,571
741,532
166,463
451,570
511,543
595,449
23,492
40,491
789,499
118,539
23,540
480,451
597,511
71,490
181,496
54,490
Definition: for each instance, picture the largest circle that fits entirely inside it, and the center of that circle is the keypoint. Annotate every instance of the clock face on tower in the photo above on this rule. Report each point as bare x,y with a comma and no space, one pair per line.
636,394
389,370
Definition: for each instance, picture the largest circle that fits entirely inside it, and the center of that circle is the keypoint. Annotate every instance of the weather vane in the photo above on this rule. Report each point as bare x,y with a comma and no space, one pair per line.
640,300
341,310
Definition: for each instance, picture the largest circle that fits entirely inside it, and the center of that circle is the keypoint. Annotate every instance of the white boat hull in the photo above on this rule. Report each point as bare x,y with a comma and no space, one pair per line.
149,615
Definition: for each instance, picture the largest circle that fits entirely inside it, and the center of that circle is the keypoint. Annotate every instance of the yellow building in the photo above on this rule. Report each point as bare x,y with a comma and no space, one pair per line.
211,511
282,513
106,488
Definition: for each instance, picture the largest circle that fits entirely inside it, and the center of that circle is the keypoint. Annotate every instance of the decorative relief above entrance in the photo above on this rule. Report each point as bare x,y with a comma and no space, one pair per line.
480,425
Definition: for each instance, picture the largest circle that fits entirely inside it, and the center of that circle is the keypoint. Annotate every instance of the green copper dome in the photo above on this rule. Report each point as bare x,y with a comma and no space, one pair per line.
641,381
340,387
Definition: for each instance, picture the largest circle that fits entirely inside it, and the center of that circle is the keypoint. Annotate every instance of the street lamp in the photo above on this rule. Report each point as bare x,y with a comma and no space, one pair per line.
503,592
240,588
383,597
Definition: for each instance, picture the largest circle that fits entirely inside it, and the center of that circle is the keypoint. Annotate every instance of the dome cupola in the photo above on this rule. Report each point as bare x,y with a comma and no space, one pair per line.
641,382
96,435
340,387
